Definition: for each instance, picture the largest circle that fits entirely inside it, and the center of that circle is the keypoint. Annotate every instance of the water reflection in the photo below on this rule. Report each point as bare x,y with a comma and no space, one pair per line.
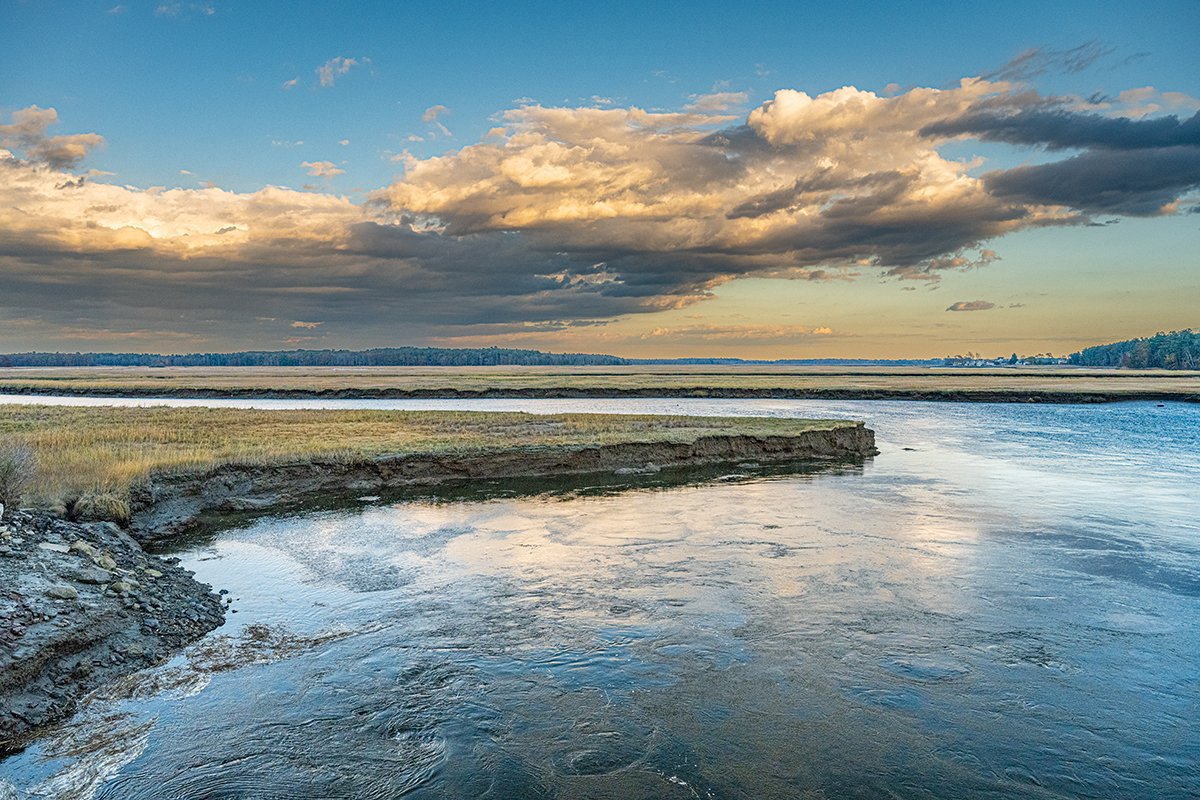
1008,609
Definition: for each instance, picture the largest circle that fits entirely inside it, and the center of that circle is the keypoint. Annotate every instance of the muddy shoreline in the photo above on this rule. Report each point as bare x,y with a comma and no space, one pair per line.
599,393
82,603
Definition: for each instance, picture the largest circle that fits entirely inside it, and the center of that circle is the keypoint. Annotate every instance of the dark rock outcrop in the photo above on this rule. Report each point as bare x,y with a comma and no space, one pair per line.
80,605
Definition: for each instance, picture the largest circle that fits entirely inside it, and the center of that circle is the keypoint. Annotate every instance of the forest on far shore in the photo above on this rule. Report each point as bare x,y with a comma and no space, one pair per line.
1174,350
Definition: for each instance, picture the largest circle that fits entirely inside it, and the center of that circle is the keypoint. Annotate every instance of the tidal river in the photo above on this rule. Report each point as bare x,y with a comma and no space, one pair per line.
1004,603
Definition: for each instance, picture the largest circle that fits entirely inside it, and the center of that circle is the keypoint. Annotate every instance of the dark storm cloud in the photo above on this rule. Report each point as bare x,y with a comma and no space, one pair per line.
1133,183
1062,129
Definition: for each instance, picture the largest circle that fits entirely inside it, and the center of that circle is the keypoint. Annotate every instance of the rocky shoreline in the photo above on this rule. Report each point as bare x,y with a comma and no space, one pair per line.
81,603
601,393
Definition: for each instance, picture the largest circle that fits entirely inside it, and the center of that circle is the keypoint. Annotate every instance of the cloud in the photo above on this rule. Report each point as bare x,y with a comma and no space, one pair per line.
1037,61
308,325
117,10
971,305
1136,182
176,9
717,101
562,215
290,84
431,116
288,143
1059,129
27,132
343,142
322,169
737,333
335,67
433,112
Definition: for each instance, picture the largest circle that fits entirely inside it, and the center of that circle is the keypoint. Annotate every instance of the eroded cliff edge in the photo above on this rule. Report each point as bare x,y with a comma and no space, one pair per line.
170,504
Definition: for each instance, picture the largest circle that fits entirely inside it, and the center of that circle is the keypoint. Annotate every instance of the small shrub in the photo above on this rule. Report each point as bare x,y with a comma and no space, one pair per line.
105,506
17,464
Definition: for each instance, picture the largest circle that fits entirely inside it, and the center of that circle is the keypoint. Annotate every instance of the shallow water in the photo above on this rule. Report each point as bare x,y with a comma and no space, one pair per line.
1008,608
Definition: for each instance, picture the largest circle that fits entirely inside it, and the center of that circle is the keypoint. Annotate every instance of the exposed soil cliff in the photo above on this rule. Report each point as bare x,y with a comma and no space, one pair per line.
170,504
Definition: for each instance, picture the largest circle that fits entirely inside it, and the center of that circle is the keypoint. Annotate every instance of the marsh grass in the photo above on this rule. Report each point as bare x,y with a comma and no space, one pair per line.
88,458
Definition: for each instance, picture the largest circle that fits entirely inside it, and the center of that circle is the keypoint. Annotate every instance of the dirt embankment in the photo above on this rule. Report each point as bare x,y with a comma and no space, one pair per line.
80,605
168,505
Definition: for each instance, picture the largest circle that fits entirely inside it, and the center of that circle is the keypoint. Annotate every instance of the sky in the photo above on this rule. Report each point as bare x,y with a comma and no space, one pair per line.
775,180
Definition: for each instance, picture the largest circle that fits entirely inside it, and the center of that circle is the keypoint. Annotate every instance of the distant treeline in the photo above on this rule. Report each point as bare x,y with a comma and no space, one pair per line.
404,357
380,357
797,362
1174,350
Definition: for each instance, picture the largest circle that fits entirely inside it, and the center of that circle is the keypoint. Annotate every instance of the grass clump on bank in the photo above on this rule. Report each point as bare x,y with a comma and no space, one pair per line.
88,458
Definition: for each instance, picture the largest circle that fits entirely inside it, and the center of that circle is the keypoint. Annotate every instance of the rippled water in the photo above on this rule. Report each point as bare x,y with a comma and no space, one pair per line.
1004,603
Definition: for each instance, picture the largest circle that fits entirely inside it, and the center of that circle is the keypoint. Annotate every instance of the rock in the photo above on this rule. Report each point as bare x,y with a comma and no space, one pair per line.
79,545
92,575
67,618
61,591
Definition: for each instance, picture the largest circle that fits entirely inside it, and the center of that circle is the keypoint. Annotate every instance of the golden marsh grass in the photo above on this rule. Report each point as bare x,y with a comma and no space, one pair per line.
89,457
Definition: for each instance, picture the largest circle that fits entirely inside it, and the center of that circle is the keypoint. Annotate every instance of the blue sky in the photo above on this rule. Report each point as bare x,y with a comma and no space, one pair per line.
200,94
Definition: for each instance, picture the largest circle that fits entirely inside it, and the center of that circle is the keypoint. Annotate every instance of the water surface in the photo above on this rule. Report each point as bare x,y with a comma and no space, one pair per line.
1003,603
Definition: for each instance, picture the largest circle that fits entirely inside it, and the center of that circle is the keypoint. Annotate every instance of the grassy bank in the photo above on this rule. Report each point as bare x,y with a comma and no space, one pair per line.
90,457
669,379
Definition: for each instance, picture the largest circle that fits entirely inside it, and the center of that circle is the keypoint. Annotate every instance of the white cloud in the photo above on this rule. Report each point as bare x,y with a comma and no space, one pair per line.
176,9
322,169
433,112
307,325
717,101
290,84
343,142
335,67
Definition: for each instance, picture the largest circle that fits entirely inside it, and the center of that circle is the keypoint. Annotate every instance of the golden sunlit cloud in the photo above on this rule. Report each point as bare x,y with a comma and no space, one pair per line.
565,215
